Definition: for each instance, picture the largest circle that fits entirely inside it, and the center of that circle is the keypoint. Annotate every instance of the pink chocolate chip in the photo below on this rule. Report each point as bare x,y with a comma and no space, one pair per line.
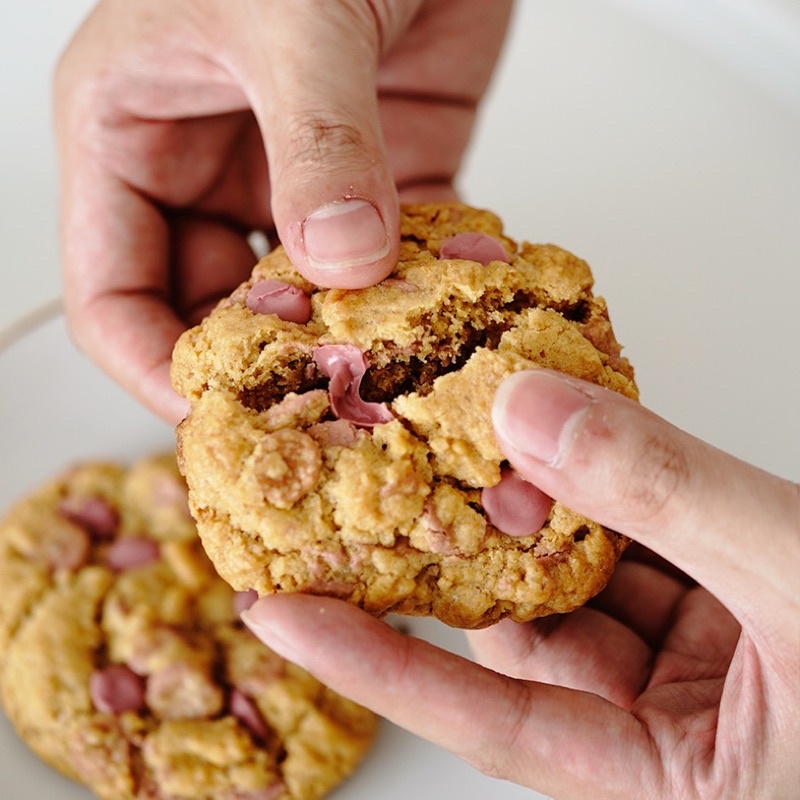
282,299
94,514
345,365
478,247
514,506
246,711
132,551
116,689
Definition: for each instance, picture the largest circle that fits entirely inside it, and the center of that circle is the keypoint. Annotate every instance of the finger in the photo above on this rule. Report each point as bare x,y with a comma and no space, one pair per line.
700,643
641,555
115,246
610,459
585,650
210,259
657,595
115,241
544,737
118,294
642,598
309,70
606,648
429,93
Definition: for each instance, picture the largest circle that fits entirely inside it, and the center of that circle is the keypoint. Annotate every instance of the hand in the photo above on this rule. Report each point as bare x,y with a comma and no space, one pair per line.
182,127
665,686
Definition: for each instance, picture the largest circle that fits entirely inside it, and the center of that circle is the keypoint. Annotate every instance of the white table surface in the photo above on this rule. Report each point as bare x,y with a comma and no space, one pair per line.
658,139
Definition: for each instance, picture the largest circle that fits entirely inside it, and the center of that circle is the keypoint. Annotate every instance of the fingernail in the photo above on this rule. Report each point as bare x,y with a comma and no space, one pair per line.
535,413
345,234
257,620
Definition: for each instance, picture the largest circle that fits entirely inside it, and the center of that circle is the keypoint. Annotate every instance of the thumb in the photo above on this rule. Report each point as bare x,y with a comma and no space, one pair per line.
610,459
312,84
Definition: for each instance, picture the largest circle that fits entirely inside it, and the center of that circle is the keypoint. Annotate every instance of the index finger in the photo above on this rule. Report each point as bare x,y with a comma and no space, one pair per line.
549,738
114,262
133,279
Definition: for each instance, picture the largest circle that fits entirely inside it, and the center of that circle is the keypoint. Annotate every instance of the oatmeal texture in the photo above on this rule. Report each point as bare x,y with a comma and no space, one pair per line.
344,451
124,664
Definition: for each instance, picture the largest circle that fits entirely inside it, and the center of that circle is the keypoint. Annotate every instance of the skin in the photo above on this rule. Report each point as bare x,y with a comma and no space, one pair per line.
182,127
679,681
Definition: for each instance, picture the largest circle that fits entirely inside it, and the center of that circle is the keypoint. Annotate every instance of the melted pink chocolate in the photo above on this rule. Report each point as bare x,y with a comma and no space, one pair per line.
514,506
132,551
282,299
94,514
478,247
246,711
116,689
345,365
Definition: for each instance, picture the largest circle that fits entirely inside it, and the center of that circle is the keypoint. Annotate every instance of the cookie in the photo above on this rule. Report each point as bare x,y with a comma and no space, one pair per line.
123,662
340,442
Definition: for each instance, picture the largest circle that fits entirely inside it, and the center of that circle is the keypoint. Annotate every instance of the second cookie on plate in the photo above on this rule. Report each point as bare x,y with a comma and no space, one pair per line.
123,662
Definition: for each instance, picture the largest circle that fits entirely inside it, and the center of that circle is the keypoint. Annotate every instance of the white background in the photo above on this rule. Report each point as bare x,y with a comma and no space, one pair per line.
658,139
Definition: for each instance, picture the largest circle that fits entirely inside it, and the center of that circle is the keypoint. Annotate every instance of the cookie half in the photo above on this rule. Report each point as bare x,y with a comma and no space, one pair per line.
340,442
123,662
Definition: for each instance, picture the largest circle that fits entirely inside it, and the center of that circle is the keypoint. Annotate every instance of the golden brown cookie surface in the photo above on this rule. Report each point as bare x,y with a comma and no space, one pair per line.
344,446
123,662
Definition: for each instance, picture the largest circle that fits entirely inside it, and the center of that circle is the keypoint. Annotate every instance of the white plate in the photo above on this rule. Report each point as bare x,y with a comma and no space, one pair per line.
65,410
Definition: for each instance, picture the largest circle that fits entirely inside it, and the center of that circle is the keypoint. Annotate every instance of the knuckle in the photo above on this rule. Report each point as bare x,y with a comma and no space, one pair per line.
316,138
658,472
502,759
